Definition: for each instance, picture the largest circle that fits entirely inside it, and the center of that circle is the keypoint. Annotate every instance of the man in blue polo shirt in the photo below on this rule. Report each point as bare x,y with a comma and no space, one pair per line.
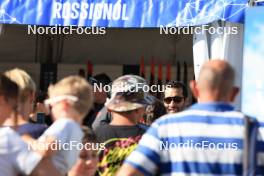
206,139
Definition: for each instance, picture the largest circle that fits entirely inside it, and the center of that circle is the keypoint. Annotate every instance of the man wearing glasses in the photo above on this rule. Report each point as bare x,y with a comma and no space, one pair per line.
175,97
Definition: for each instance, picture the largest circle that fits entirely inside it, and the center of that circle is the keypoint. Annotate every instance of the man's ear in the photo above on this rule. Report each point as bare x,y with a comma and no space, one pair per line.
193,87
234,93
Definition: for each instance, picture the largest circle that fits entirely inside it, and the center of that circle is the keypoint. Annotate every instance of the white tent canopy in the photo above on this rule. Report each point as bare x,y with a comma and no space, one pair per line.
221,46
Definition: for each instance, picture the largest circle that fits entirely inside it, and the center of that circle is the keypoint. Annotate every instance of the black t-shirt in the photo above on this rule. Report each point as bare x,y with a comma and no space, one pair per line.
90,117
119,142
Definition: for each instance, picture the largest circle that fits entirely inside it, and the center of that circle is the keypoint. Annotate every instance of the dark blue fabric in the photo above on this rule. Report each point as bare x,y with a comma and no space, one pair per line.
201,168
214,107
260,3
34,130
253,147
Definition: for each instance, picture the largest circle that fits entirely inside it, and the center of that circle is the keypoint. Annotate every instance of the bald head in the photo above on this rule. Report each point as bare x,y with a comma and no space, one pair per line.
216,80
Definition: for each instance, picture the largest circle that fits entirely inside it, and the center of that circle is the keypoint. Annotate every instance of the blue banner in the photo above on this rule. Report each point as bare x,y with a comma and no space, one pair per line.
260,3
253,62
120,13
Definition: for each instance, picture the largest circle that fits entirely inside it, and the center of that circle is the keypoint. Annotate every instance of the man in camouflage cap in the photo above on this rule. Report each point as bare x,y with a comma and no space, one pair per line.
129,92
129,97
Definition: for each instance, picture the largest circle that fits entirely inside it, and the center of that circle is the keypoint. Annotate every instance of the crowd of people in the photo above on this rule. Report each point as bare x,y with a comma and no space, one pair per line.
76,130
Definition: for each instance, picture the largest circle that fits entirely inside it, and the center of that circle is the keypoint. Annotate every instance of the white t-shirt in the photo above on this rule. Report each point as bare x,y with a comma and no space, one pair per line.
15,156
68,134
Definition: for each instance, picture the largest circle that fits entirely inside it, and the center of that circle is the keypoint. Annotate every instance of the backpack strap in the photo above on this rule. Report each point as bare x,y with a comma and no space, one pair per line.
249,148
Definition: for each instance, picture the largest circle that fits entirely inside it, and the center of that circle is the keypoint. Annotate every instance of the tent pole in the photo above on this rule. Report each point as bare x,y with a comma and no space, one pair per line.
251,3
1,28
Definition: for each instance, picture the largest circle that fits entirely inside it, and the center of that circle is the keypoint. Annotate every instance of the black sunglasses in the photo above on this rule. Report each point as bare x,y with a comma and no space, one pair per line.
176,99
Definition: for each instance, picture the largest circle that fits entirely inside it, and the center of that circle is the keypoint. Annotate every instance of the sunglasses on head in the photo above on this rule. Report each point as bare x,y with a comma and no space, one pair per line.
176,99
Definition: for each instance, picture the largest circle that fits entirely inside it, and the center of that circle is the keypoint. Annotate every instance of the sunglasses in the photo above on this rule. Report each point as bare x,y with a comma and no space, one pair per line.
176,99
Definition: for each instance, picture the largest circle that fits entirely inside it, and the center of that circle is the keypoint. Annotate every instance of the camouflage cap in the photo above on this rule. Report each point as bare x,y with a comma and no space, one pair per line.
128,93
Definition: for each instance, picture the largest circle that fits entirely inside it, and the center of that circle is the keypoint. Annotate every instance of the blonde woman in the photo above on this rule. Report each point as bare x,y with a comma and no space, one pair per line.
20,120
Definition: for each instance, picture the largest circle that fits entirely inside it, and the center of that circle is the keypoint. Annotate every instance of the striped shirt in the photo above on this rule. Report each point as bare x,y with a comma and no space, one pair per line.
206,139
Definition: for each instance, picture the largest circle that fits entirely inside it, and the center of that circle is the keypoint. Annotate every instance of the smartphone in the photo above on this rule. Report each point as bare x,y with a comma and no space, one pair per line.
41,117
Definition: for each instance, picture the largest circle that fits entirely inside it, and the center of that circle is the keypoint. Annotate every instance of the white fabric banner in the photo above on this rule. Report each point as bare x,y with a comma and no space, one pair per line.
227,45
200,52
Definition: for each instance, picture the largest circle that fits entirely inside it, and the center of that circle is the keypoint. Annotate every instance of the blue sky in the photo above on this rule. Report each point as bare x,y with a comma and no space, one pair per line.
253,70
254,17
